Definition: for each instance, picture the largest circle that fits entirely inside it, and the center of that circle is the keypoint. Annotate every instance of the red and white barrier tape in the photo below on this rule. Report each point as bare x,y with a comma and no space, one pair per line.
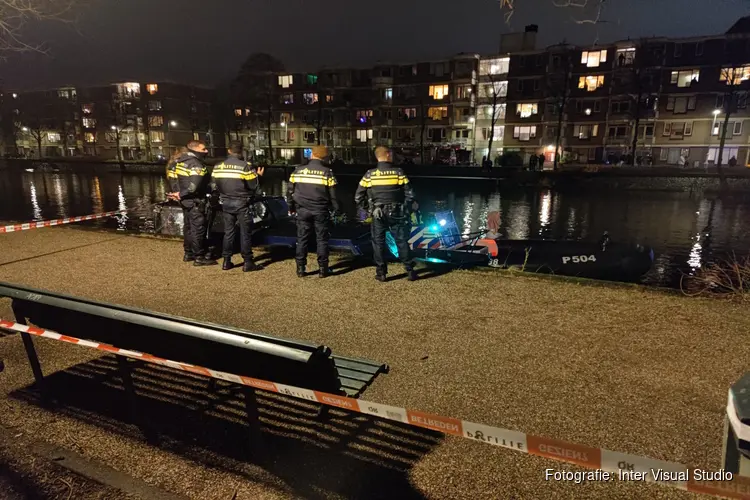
608,465
56,222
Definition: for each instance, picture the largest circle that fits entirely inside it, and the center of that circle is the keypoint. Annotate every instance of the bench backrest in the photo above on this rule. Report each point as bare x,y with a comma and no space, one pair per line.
181,339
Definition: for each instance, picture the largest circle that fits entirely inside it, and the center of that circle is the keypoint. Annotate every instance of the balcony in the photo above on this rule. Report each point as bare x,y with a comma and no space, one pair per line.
382,81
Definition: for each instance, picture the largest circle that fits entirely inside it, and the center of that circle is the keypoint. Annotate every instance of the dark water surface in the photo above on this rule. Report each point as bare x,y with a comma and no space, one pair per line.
685,231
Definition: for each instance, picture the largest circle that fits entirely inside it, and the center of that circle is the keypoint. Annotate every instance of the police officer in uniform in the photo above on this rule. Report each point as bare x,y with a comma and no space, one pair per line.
193,183
387,191
237,183
311,194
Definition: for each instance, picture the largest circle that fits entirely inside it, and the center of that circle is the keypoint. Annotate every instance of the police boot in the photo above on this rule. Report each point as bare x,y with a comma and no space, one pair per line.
412,275
250,266
204,261
324,272
188,258
227,264
381,277
301,270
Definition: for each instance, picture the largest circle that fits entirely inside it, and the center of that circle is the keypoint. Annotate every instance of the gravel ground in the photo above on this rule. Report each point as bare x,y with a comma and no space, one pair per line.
628,369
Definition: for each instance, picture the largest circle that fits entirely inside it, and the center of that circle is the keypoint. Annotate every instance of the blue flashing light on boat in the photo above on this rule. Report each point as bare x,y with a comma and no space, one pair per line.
434,228
443,222
433,260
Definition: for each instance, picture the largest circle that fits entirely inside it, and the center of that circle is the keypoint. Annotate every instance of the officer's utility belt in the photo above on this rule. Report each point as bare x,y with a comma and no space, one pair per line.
234,200
392,209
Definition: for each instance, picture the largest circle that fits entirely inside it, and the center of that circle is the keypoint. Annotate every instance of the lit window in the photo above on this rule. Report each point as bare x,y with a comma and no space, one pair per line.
152,88
438,113
87,109
524,133
497,136
247,112
592,59
287,154
625,57
735,76
312,79
155,121
591,82
310,98
586,131
89,122
129,89
285,81
388,94
438,91
364,135
238,112
491,89
463,91
363,115
494,66
157,136
53,137
329,98
485,112
526,110
154,105
196,136
407,113
110,136
685,77
287,99
67,93
89,137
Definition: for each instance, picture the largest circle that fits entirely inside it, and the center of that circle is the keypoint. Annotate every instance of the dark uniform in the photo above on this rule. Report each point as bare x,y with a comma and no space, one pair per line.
192,182
172,182
237,183
311,193
386,188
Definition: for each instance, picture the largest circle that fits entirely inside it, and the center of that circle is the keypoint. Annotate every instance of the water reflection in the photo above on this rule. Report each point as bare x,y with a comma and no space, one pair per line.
545,213
122,218
61,200
96,196
35,203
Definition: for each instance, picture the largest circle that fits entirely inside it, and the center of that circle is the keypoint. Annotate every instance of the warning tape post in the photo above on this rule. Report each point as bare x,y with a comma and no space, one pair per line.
670,474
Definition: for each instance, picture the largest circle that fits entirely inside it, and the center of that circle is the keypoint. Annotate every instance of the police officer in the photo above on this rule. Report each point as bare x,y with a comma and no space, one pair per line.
387,191
311,195
193,183
237,183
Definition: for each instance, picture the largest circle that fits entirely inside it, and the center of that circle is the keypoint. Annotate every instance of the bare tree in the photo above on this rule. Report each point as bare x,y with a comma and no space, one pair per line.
31,118
588,11
256,88
494,92
16,14
559,89
732,76
117,123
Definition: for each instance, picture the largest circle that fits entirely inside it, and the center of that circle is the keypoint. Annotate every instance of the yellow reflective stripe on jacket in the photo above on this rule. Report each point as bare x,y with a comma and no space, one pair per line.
248,176
312,179
386,180
236,174
180,170
171,174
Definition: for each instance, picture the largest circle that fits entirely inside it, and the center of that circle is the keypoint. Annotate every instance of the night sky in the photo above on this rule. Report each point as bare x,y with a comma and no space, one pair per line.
204,42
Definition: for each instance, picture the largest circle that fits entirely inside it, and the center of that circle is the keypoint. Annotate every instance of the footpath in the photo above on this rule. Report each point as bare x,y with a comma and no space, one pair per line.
624,368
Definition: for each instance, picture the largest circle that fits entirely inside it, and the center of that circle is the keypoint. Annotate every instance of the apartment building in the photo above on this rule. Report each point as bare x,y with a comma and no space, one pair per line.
128,121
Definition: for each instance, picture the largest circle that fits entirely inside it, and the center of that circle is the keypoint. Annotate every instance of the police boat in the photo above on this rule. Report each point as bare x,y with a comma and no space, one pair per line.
440,242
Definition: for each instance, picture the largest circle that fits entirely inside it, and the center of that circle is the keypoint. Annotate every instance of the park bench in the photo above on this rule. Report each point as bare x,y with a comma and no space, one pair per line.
206,345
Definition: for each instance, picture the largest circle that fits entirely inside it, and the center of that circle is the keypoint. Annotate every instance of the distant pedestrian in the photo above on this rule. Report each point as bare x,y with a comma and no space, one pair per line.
532,162
733,162
541,162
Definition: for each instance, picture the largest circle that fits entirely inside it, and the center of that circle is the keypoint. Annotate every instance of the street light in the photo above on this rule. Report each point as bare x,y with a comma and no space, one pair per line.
471,119
25,129
173,123
113,127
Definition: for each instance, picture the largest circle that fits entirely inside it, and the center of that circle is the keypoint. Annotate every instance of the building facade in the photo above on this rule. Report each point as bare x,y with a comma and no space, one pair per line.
126,121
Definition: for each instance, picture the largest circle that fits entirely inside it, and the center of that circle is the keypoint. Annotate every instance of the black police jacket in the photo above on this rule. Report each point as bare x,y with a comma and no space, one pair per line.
384,185
235,179
191,177
312,187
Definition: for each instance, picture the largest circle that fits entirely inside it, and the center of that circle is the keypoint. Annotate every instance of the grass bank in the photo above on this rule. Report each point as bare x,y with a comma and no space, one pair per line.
624,368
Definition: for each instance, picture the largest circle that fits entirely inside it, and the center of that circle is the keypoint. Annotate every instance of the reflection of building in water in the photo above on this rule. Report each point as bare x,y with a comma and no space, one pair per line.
545,212
61,200
96,196
122,218
35,203
76,186
517,220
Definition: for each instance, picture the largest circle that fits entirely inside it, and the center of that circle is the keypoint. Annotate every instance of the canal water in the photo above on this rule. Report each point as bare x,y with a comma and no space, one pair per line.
685,231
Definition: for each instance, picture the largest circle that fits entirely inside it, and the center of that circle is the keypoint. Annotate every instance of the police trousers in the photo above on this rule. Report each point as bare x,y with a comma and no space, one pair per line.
237,213
194,227
307,222
399,225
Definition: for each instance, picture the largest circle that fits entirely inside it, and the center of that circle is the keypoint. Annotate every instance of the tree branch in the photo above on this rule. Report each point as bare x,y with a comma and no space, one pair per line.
16,14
